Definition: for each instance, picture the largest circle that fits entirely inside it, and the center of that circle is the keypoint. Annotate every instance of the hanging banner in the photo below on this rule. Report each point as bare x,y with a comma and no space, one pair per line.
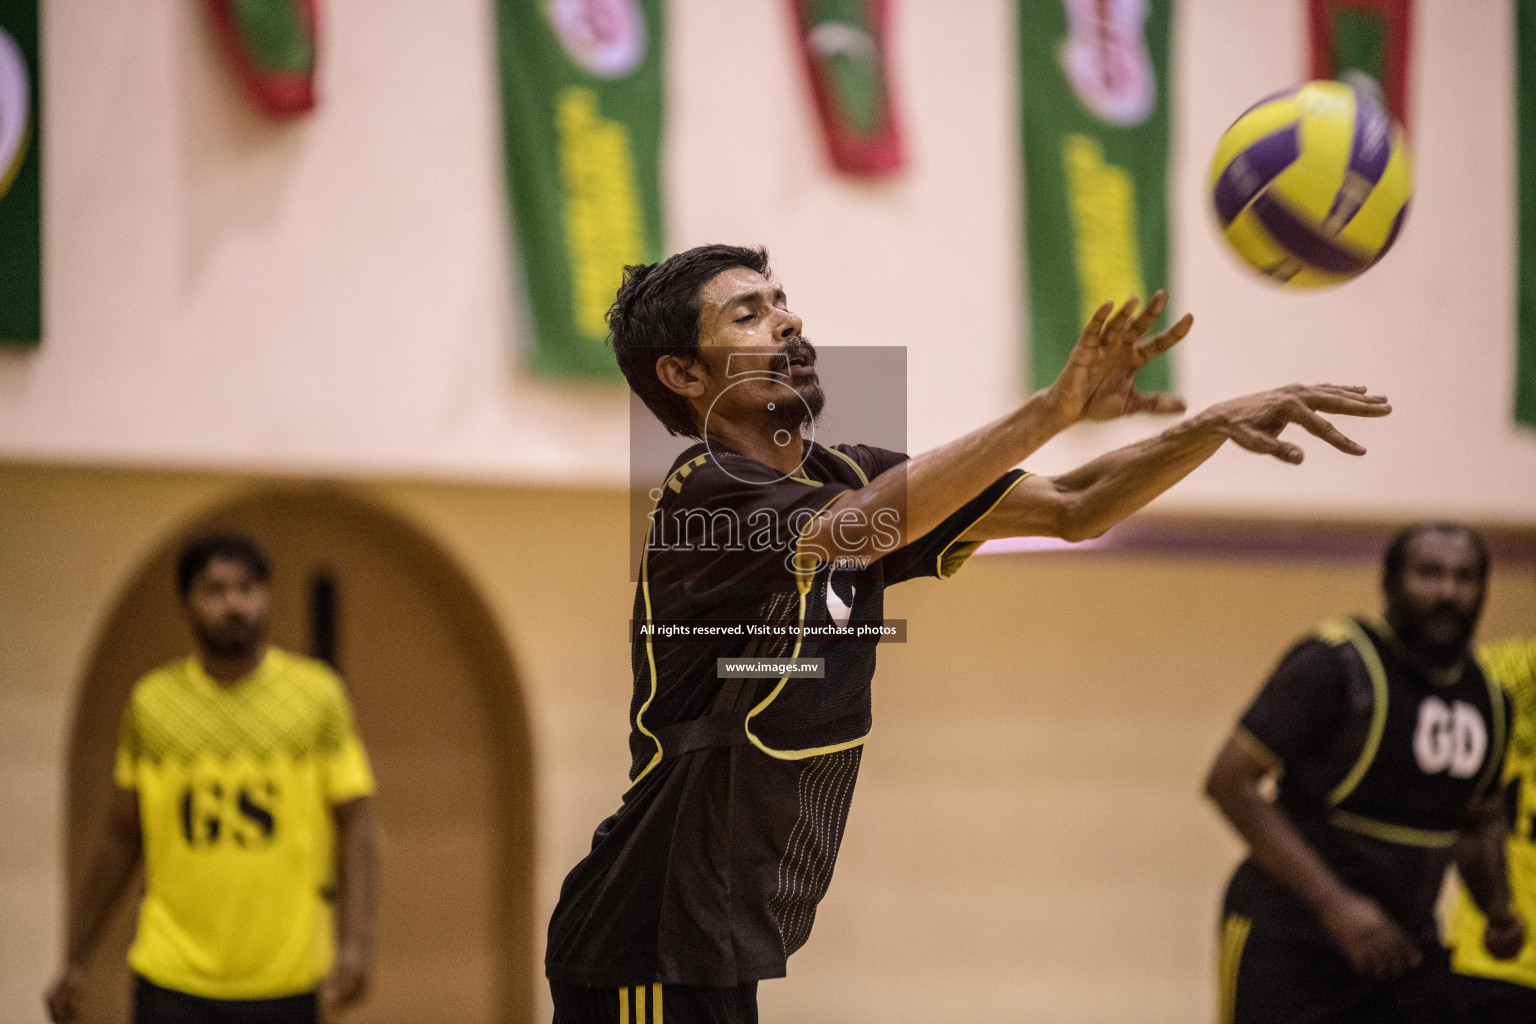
21,223
582,106
1525,319
843,45
271,46
1094,75
1355,39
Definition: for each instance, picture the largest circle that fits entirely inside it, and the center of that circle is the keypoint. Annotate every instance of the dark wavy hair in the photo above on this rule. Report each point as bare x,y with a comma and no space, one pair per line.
1396,556
233,547
656,313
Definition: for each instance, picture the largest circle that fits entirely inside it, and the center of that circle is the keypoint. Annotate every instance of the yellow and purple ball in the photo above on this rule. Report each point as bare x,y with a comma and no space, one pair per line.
1311,186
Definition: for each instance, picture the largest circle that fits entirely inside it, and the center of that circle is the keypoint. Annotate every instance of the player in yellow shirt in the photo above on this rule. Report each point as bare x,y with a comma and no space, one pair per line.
1494,991
242,785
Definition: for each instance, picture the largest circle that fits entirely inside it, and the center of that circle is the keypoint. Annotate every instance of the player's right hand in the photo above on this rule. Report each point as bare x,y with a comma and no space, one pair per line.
63,996
1504,937
1098,380
1376,946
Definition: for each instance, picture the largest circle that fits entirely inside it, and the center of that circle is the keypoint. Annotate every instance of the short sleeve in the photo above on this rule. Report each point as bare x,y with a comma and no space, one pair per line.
940,552
871,461
344,764
1299,707
125,763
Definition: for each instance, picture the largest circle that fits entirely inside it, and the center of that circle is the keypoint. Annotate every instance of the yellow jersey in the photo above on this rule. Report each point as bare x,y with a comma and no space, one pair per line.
1512,664
235,784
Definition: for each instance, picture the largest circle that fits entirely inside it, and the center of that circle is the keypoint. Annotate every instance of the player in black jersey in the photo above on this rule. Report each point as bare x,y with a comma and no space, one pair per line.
708,876
1387,740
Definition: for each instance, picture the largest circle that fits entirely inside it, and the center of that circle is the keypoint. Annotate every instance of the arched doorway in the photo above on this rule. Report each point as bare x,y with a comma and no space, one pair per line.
439,711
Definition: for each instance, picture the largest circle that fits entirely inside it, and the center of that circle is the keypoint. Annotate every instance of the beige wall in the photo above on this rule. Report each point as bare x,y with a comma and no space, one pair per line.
1027,842
335,295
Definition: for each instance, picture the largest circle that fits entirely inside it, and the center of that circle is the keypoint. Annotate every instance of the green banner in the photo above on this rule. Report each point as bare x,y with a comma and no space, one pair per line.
582,105
1095,101
21,200
1525,321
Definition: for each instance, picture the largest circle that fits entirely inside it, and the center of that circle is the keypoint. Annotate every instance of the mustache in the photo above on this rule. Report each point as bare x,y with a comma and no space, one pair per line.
1448,608
796,347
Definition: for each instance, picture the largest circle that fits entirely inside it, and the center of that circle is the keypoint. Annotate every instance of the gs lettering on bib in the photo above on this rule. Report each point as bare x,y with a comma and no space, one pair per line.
241,812
1450,738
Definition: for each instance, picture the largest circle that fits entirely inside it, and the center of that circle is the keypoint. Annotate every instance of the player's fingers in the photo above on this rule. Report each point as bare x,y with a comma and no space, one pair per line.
1341,406
1148,316
1367,960
1161,343
1358,389
1401,962
1094,331
1404,954
1319,427
1117,323
1350,393
1260,443
1346,401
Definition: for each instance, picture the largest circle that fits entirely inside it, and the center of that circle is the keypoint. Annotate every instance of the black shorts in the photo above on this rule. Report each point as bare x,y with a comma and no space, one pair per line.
655,1004
155,1005
1486,1001
1277,967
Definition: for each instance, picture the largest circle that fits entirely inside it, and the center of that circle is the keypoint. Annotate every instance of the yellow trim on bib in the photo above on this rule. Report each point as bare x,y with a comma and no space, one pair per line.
1346,630
1402,835
803,582
675,482
1234,936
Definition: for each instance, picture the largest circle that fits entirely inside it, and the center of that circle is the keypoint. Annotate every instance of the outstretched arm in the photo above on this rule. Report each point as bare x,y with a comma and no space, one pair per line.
1088,500
1374,943
1096,383
112,865
1479,854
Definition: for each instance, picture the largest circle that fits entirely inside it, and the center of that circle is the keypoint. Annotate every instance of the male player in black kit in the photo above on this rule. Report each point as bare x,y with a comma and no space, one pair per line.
1388,741
707,877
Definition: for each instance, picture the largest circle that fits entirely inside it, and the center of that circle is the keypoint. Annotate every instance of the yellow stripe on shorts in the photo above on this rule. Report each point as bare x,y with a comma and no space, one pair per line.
1234,935
639,997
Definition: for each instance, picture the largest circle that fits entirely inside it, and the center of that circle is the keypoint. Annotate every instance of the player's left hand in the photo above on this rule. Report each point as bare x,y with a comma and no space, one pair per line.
347,982
1098,381
1505,935
1255,421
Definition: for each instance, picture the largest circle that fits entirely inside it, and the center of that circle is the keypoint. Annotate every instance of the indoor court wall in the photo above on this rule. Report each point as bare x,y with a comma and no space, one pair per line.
1029,841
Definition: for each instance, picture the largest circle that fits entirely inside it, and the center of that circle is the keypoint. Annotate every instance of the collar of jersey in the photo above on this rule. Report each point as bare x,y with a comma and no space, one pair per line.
203,681
717,448
1438,677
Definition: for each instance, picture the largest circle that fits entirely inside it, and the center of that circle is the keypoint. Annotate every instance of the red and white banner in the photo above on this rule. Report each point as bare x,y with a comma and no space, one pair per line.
843,44
1369,38
272,48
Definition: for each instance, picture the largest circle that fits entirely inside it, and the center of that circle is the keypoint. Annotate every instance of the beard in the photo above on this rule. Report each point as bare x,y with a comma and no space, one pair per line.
809,399
1442,632
234,636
